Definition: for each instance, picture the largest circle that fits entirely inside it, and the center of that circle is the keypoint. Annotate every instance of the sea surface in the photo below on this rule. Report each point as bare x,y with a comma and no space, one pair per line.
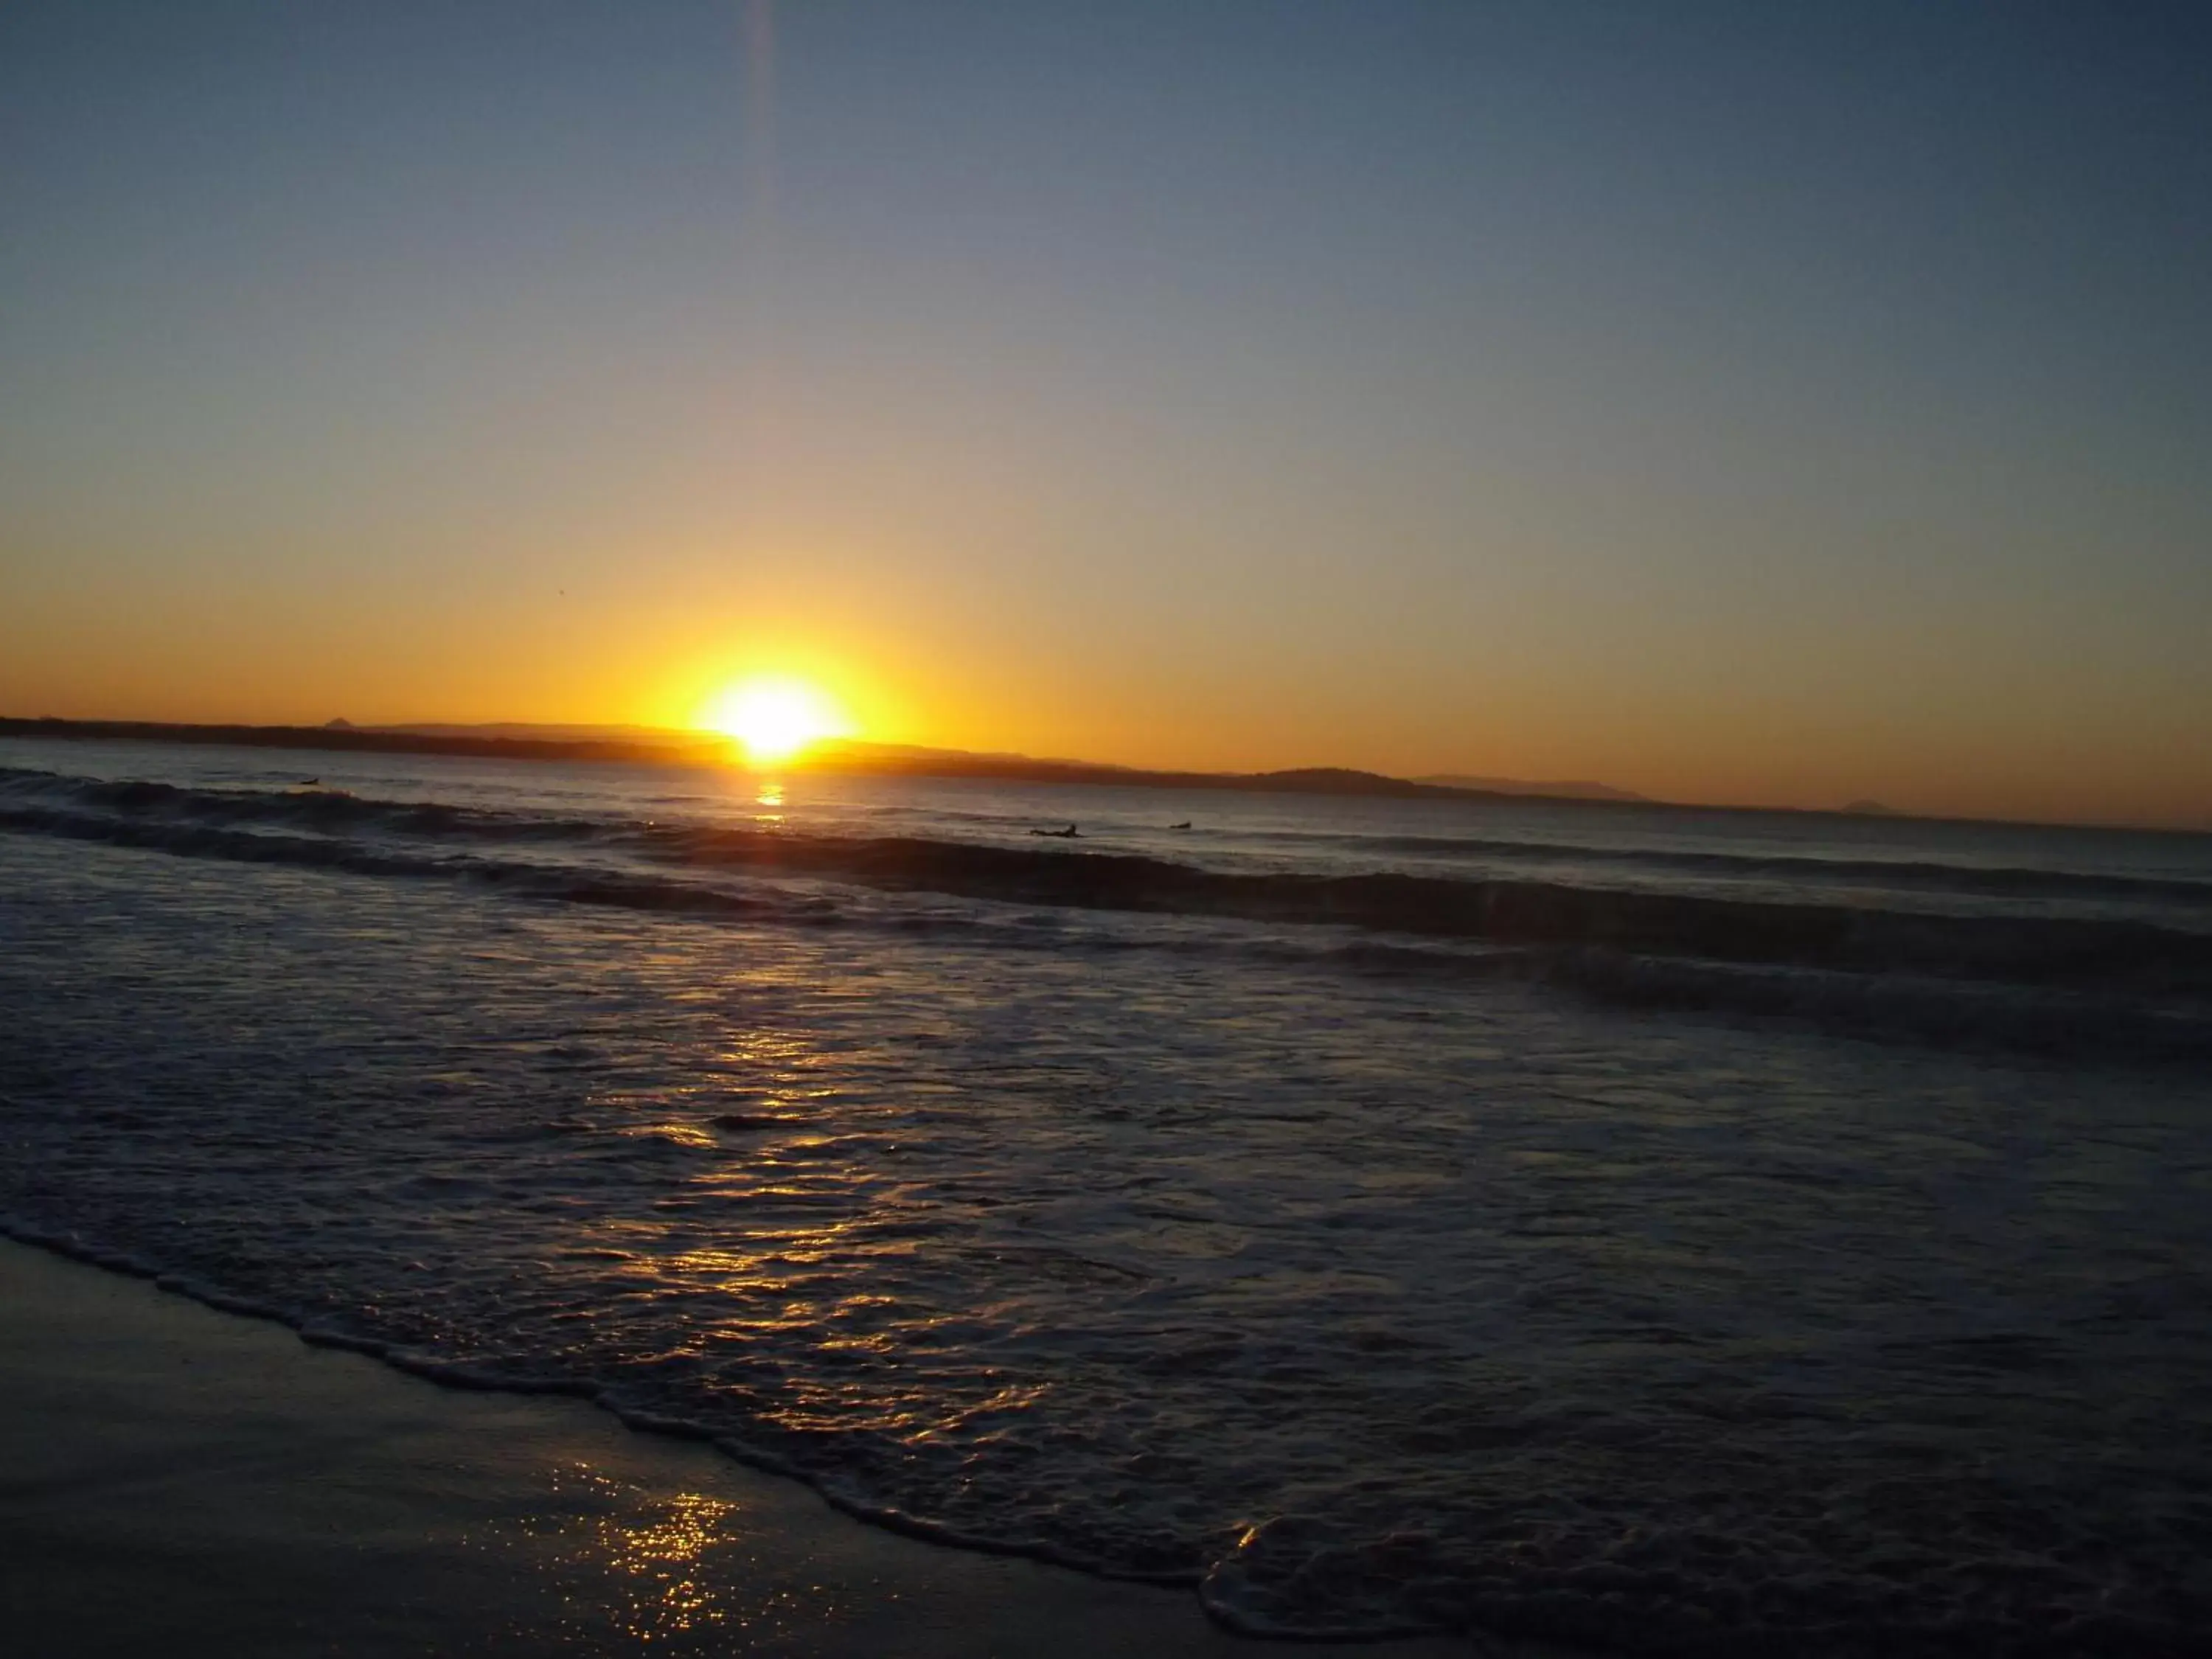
1698,1233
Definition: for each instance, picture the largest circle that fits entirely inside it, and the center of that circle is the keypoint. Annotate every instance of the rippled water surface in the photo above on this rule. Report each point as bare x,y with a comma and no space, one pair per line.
1364,1295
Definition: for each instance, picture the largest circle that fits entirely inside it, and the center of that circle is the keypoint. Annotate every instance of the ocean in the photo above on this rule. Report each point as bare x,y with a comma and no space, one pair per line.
1697,1233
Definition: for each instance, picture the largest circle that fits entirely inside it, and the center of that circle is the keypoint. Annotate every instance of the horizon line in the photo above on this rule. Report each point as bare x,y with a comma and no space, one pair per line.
682,745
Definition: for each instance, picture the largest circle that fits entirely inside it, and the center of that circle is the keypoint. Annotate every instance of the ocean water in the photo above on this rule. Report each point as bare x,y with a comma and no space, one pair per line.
1696,1232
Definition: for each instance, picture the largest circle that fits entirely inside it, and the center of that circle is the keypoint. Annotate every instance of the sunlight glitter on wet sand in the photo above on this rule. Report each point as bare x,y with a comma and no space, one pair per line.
181,1480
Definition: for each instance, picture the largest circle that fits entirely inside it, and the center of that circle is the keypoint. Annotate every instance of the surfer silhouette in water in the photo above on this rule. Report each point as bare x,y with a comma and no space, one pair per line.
1069,834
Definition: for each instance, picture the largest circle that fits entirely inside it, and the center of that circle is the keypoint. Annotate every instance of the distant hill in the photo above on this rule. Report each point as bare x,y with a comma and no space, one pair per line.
1872,808
532,732
1578,790
647,746
1022,769
340,737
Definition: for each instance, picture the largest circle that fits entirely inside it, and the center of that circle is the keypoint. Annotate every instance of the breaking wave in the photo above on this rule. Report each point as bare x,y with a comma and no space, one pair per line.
1981,880
647,866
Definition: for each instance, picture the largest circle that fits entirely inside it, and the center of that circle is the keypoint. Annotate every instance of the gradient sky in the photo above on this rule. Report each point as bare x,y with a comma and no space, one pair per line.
1775,403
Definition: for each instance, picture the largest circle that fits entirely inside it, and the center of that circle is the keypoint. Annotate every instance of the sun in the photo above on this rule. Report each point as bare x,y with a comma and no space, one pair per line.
774,718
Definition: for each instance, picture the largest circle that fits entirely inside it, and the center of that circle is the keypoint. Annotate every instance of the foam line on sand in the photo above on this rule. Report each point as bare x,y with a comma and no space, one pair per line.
179,1481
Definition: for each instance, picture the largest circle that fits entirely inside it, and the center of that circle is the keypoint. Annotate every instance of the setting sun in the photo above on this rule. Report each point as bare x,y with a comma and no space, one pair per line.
775,718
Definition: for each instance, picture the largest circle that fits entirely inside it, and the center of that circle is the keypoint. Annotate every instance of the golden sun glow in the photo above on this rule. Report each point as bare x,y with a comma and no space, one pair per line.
774,718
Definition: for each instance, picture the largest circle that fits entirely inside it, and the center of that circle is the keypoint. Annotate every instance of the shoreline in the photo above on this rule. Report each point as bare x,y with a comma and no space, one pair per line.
178,1478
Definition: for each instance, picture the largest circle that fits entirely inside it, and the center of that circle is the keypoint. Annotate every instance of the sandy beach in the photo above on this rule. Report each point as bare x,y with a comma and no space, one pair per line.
179,1481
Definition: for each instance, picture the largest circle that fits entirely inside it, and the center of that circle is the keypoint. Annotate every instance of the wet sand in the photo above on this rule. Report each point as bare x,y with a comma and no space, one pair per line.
179,1480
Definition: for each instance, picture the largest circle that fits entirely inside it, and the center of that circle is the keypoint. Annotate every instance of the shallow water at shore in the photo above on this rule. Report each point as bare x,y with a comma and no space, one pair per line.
177,1482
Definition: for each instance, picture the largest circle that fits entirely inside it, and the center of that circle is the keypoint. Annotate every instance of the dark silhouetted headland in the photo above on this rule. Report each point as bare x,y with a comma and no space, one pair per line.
1575,789
645,746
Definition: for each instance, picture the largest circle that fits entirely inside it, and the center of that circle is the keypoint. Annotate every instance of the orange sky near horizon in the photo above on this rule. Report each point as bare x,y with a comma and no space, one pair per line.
588,658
